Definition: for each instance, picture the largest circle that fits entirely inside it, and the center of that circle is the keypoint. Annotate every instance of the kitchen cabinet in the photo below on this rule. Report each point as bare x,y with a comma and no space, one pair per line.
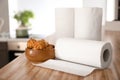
15,48
118,9
9,49
3,54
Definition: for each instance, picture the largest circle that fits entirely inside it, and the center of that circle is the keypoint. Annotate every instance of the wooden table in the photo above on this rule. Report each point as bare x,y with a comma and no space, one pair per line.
22,69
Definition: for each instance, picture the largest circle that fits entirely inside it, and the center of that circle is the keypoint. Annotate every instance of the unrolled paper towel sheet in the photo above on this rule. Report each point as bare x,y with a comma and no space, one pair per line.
88,23
65,66
79,57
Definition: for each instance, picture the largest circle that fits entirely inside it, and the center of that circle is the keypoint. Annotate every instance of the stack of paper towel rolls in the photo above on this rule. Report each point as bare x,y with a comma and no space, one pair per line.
82,23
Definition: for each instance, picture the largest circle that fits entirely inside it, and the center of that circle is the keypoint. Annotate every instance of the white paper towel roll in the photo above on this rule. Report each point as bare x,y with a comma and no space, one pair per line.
64,22
83,55
87,52
88,23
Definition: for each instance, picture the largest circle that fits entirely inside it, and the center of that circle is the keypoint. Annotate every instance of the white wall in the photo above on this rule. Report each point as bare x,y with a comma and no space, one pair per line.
13,6
112,10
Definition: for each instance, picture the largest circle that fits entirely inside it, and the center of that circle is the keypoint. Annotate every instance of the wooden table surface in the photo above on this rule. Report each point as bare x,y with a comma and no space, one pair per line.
22,69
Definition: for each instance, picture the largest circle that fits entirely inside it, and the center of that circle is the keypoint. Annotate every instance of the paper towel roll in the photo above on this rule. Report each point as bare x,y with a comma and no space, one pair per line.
88,23
64,22
86,52
83,55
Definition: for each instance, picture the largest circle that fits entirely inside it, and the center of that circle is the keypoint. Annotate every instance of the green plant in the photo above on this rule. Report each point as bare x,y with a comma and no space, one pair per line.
23,17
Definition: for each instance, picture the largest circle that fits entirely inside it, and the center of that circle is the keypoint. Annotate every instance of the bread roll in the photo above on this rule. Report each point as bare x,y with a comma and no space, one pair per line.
39,51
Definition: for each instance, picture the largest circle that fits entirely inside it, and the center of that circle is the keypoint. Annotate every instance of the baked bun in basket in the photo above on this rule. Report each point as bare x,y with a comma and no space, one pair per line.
39,51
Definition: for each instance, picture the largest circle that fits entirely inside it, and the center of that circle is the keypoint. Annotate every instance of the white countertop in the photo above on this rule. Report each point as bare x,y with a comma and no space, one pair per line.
13,39
113,26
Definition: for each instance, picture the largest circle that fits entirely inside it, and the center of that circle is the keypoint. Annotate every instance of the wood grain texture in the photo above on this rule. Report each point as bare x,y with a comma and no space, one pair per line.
22,69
